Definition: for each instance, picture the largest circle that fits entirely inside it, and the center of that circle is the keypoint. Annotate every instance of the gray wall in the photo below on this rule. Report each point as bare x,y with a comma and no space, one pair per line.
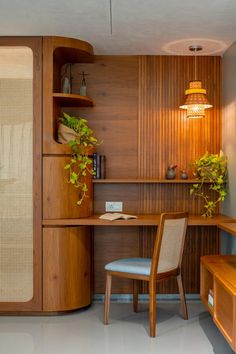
229,138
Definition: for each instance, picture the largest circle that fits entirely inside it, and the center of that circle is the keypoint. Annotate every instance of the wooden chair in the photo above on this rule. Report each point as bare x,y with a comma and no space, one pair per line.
165,262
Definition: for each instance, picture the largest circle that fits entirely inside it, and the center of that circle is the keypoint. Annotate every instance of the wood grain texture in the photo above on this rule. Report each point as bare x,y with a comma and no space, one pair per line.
166,136
66,268
218,274
113,84
59,197
136,115
35,43
71,100
110,244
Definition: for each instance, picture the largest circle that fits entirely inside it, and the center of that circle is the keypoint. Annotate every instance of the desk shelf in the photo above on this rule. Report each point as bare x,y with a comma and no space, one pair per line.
144,180
72,100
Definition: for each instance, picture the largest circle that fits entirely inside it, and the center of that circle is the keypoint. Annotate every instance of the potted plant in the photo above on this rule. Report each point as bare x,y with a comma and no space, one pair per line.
211,168
76,133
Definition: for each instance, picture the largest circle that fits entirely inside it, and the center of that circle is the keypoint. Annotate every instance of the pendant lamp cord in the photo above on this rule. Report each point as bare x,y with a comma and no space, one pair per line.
195,65
110,12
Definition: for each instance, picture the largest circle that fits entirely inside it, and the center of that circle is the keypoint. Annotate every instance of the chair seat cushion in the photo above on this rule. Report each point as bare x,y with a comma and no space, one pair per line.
140,266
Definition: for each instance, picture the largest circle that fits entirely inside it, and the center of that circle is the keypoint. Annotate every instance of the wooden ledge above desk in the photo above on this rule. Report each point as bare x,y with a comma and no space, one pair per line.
142,220
229,227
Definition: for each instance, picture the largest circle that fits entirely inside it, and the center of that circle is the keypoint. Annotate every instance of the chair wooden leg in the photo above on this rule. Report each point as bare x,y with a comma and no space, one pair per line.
152,308
107,298
182,297
135,295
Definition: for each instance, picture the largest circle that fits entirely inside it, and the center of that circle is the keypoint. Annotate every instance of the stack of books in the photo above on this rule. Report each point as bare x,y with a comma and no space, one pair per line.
99,166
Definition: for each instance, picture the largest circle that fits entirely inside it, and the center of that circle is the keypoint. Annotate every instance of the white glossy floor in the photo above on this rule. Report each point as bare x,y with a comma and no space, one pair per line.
84,333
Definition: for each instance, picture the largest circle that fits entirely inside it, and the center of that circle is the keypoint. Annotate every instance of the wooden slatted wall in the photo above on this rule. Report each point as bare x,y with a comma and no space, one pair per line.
137,116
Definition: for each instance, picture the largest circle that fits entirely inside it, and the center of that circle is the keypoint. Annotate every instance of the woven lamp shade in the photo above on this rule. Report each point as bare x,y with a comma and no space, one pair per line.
196,100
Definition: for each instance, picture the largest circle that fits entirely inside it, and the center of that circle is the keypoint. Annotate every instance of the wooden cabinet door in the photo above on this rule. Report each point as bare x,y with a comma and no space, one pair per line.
66,268
20,173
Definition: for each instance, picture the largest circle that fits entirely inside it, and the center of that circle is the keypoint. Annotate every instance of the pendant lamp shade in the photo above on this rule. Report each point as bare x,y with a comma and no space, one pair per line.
196,100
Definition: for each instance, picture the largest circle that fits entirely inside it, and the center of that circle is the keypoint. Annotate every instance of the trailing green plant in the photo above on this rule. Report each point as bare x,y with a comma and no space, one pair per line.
80,164
211,168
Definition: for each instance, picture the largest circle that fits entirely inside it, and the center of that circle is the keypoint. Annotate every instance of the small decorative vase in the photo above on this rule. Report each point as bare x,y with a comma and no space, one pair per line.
183,174
171,172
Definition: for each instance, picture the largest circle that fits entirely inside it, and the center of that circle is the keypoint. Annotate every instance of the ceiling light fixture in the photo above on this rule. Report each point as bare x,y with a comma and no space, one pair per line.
196,100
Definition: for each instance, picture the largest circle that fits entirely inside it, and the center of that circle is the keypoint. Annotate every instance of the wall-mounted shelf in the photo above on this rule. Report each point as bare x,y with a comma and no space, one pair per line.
145,180
72,100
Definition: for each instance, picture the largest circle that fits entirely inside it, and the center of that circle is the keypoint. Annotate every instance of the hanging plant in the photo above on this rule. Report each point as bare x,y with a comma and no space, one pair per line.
77,134
211,168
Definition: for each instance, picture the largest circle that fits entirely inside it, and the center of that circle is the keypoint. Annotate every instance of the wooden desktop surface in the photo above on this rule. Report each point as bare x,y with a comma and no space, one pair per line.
228,227
142,220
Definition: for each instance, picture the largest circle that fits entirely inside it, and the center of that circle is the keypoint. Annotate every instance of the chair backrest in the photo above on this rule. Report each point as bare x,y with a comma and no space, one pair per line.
169,243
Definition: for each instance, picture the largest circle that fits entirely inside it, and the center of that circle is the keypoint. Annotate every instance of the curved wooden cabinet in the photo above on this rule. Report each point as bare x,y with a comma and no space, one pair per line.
66,250
59,197
66,268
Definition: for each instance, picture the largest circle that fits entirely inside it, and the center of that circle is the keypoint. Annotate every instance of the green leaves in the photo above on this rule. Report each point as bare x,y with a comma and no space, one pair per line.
210,168
80,164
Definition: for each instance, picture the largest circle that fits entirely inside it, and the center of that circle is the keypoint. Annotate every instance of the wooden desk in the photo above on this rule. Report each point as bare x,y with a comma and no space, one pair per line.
229,227
67,255
218,274
142,220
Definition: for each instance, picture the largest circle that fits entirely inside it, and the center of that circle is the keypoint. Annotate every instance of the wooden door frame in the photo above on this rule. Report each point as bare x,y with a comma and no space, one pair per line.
35,304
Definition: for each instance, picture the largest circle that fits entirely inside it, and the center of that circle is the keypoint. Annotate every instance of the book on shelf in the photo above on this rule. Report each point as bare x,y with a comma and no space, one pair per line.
99,166
117,216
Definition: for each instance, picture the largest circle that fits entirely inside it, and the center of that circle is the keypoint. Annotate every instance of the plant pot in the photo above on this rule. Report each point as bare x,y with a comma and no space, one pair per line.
65,134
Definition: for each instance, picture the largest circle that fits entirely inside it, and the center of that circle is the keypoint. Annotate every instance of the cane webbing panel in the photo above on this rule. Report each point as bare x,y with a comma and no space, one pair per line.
16,204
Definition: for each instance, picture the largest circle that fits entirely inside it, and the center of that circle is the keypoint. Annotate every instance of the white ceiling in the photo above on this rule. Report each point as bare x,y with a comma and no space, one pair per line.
138,26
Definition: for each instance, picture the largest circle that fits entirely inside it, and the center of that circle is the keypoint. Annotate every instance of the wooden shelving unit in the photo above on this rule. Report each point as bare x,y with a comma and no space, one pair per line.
59,51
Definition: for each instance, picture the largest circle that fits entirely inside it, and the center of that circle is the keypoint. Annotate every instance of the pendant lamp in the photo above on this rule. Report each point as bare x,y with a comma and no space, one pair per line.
196,100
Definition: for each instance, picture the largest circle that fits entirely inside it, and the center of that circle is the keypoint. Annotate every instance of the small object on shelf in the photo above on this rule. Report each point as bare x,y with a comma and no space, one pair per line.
211,298
94,165
99,166
171,172
66,81
83,88
102,166
183,174
116,216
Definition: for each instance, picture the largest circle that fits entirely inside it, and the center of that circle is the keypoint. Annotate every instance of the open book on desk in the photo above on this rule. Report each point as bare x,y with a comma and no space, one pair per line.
116,216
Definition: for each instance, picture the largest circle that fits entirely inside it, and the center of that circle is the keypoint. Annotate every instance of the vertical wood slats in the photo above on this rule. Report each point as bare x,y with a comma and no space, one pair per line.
166,136
144,93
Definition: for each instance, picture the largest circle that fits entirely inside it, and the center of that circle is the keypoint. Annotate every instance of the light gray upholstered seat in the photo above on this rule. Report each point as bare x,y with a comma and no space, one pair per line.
137,266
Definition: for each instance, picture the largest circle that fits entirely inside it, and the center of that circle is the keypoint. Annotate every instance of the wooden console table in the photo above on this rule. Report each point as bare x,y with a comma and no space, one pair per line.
229,227
218,276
